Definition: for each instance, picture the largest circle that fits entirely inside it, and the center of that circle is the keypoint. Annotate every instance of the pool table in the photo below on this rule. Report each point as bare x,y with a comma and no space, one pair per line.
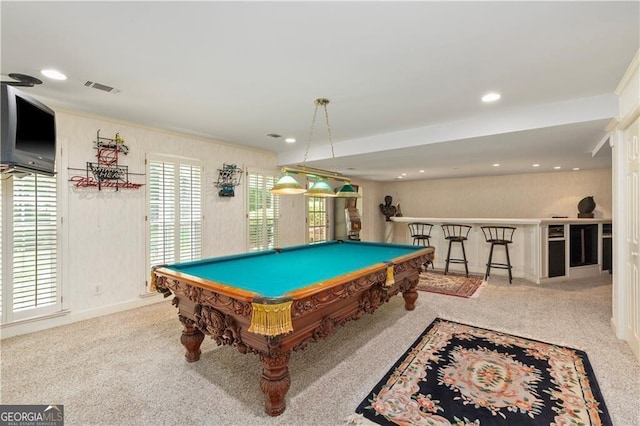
277,301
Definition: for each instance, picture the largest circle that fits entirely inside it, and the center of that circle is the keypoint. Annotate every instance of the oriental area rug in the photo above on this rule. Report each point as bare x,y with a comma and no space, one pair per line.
452,284
464,375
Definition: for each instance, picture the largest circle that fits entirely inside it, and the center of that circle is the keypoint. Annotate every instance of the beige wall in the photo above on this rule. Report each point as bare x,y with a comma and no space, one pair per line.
536,195
103,237
372,228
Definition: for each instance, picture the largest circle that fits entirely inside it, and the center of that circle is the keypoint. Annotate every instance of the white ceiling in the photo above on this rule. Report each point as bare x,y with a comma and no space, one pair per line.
404,78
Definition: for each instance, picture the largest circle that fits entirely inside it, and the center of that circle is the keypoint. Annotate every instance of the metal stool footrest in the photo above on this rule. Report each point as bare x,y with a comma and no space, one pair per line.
500,265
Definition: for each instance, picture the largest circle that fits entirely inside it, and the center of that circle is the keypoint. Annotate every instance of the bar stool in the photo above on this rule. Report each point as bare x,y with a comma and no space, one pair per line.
498,236
456,233
421,234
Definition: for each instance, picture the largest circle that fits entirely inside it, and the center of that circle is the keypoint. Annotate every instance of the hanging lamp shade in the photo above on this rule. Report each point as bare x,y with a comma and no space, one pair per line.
320,188
287,185
347,191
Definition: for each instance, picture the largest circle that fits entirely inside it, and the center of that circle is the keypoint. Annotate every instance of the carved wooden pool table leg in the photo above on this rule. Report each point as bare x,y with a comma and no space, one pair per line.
275,381
191,339
410,296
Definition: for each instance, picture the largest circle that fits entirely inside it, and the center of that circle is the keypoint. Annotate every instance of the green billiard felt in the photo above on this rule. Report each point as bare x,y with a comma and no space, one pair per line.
274,273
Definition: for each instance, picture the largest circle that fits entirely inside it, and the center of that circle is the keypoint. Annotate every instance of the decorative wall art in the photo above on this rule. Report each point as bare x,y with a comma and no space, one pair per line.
107,172
586,206
229,177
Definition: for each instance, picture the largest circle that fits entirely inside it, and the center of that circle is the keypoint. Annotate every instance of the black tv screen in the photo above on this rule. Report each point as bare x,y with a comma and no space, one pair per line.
28,133
35,128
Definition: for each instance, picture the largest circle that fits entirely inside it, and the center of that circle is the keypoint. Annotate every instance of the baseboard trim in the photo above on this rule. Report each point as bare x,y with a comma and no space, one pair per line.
65,317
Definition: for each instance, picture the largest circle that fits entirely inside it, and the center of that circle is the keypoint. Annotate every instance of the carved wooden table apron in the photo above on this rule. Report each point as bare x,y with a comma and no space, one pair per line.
314,316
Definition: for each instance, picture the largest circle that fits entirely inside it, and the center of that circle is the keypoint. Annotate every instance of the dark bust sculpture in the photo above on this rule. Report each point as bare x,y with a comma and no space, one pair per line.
586,206
387,208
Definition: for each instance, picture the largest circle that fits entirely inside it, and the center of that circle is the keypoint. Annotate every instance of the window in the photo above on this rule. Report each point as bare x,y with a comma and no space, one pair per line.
174,210
317,219
264,212
29,284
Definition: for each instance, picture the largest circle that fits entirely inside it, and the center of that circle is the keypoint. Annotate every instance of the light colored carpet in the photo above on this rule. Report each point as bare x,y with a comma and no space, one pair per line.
129,368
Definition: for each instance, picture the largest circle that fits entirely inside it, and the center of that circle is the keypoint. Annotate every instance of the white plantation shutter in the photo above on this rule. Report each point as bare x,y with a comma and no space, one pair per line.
190,213
175,212
161,213
34,242
264,212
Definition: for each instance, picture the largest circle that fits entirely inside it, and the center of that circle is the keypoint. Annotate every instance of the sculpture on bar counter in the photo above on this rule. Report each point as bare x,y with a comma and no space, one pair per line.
586,206
388,209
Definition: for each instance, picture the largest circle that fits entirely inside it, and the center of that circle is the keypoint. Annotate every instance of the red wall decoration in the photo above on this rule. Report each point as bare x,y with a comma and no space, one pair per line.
107,172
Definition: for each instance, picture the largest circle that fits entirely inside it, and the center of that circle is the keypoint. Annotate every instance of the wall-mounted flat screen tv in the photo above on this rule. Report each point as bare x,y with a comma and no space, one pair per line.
28,134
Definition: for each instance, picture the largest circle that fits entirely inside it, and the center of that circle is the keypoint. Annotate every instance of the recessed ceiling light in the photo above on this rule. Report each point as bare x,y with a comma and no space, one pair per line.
491,97
53,74
576,168
399,177
290,140
404,174
421,171
496,165
535,165
557,167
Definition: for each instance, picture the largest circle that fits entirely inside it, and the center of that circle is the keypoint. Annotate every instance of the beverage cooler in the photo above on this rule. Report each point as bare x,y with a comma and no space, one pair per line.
556,251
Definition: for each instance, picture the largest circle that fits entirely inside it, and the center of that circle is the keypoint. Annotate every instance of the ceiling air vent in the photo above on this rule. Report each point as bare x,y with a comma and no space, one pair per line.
102,87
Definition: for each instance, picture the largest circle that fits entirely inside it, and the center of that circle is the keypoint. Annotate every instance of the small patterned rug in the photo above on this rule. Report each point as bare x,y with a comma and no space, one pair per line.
453,284
464,375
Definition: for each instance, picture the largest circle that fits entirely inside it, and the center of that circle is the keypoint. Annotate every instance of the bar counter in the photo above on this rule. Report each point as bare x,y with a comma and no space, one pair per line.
529,252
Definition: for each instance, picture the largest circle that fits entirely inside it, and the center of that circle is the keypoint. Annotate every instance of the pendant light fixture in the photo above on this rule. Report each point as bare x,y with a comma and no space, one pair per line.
347,191
287,185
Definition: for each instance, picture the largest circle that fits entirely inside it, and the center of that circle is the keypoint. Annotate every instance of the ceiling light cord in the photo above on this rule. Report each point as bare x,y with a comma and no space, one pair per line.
313,123
321,187
324,103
